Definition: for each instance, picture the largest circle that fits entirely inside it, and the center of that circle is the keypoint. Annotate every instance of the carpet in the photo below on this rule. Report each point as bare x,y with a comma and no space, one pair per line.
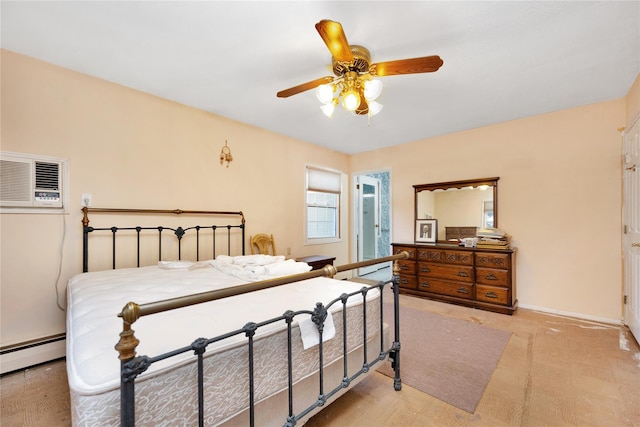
449,359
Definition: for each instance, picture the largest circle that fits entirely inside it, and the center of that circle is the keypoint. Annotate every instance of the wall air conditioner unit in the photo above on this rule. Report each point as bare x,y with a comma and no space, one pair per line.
30,183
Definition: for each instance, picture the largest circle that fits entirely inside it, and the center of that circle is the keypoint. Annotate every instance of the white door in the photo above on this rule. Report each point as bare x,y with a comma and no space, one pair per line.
368,221
631,227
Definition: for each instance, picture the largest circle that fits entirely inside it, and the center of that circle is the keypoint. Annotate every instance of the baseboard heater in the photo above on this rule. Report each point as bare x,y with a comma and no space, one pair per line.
29,353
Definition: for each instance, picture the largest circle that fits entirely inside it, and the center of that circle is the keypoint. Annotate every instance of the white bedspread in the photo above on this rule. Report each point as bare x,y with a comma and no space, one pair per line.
94,299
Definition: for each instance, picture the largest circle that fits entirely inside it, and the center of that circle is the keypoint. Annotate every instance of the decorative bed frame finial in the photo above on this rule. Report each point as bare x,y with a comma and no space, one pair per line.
126,347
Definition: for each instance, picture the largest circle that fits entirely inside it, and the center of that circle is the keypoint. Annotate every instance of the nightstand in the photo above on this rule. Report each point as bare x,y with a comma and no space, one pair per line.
317,261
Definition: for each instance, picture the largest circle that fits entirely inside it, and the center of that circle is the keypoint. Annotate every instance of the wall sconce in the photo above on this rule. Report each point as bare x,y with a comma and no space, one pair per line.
225,154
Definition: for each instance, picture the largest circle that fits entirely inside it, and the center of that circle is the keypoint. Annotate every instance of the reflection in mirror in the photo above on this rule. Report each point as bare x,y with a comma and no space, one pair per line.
461,207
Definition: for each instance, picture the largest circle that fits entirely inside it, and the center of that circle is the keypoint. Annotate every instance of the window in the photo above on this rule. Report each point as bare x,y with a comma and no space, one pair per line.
322,215
323,205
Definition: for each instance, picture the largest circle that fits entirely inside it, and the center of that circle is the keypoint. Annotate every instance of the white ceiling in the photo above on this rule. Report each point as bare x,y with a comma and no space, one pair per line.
502,60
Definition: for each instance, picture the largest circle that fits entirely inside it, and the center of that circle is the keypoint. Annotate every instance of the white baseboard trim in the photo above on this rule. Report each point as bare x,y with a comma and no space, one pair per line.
21,357
582,316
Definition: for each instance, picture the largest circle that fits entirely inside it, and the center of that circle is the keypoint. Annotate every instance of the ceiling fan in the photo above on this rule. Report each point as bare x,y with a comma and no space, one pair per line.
354,83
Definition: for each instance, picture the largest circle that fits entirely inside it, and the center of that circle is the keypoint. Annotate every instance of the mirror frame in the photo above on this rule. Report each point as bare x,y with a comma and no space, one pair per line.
493,182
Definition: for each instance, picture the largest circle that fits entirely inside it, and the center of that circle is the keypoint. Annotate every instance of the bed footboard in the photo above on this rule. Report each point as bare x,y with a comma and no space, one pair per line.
373,348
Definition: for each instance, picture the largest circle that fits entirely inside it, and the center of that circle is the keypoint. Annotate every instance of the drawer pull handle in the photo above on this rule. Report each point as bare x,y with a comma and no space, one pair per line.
463,274
425,285
491,295
425,269
463,290
404,267
403,280
490,277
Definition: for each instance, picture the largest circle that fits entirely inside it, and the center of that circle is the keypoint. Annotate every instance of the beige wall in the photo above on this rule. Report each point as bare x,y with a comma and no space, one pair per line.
130,149
558,196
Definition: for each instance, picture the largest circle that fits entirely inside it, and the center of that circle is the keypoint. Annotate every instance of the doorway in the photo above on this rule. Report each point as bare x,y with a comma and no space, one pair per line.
372,219
631,228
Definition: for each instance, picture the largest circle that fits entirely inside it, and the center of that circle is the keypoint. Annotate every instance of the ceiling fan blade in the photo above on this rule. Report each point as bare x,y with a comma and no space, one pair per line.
335,39
426,64
304,87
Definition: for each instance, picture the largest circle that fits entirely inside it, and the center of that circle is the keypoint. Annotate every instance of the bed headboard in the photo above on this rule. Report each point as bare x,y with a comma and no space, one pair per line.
229,228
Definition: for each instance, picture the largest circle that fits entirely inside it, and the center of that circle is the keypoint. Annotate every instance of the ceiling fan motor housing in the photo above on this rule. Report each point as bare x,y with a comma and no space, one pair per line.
361,62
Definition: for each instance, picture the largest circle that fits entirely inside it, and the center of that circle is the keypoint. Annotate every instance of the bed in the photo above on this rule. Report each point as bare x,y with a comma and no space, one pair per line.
220,338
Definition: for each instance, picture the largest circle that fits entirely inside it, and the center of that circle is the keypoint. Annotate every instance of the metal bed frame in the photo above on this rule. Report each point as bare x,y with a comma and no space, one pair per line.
133,365
179,232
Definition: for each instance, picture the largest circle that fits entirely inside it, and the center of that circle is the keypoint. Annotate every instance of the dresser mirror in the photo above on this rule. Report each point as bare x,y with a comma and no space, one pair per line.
460,208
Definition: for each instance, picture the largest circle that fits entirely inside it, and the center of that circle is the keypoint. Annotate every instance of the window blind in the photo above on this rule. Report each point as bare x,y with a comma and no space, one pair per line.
323,180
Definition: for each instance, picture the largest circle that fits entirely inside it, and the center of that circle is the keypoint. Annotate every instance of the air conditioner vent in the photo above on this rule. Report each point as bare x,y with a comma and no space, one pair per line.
15,181
47,176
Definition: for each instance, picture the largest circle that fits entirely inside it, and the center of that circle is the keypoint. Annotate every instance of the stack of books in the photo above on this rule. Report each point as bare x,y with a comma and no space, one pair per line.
493,238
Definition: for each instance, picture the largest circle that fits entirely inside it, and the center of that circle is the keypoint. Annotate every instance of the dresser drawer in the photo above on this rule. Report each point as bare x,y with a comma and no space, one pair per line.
407,267
493,260
410,250
492,276
460,273
433,255
444,256
492,294
456,289
458,257
407,282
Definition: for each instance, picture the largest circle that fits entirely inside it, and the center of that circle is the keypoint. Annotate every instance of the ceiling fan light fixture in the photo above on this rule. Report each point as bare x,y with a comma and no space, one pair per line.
354,83
374,108
324,93
350,100
349,89
329,108
372,89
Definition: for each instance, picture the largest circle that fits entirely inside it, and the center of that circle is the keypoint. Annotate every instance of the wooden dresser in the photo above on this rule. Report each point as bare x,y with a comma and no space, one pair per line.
480,278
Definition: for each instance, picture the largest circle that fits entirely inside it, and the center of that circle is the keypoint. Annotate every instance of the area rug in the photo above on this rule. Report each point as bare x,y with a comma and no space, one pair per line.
449,359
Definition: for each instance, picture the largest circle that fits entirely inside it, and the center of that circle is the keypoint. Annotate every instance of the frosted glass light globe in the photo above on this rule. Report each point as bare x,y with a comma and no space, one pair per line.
328,109
372,89
351,100
374,108
324,93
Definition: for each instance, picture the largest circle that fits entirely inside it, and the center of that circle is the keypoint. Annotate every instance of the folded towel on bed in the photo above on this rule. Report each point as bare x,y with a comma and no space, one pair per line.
258,267
174,264
309,332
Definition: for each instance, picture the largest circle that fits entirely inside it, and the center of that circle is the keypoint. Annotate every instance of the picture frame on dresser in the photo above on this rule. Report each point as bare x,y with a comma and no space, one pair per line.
426,231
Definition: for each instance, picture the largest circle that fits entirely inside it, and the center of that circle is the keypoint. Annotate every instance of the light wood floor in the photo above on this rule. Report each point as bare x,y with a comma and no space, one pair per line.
555,371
